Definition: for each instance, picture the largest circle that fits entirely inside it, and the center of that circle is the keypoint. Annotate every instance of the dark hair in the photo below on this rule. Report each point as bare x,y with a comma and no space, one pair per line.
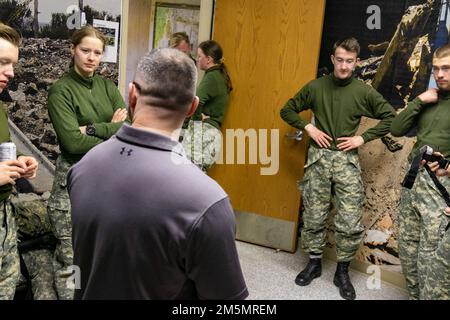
212,49
10,35
87,31
349,44
442,52
166,78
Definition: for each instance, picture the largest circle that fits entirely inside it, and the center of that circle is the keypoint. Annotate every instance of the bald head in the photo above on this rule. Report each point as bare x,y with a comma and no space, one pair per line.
166,78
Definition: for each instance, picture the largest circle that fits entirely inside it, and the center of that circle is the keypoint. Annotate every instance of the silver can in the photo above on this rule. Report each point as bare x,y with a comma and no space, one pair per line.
8,151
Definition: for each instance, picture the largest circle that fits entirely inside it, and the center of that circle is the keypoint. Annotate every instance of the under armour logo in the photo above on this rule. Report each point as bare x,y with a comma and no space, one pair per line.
129,152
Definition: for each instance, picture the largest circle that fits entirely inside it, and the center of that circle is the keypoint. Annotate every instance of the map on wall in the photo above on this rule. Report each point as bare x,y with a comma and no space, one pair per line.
171,18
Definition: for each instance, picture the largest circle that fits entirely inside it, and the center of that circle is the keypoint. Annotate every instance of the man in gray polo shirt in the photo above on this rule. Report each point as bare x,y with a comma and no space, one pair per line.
147,223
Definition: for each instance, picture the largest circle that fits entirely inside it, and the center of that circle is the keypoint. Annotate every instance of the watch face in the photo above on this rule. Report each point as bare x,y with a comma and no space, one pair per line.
90,130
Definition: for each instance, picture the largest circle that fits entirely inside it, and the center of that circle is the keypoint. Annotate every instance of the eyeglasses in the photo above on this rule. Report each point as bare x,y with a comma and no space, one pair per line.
444,69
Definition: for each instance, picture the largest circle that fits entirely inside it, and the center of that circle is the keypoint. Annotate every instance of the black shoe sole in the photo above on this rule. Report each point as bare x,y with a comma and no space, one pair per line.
307,283
337,284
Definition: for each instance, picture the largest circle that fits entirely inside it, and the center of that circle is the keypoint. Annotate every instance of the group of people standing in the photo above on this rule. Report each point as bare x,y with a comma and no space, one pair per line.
85,109
332,172
116,175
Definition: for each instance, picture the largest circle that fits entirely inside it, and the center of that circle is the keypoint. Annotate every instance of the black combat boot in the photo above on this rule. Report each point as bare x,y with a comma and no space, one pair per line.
313,270
342,280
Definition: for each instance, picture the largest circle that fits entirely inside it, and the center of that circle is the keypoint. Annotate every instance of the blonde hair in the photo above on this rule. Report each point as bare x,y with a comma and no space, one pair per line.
177,38
10,35
442,52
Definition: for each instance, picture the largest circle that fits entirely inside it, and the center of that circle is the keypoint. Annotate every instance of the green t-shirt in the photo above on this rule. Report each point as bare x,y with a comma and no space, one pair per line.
74,102
338,106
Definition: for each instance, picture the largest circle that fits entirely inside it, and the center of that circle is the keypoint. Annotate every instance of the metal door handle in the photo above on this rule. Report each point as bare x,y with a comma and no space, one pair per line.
297,136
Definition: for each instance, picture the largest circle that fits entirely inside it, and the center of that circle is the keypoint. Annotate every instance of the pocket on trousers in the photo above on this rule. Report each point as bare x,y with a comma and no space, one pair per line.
61,222
314,155
303,188
353,159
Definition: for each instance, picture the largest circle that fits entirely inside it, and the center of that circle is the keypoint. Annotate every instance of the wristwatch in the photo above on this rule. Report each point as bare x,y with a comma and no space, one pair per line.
90,130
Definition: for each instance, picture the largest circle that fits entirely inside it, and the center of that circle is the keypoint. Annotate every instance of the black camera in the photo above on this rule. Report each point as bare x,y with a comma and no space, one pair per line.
427,154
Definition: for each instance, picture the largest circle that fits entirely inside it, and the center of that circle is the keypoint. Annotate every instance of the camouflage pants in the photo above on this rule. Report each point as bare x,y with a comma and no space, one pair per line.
202,143
437,281
33,222
40,268
59,214
327,172
421,227
9,257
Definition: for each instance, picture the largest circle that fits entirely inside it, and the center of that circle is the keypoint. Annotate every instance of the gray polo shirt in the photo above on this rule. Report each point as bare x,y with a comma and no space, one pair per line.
148,224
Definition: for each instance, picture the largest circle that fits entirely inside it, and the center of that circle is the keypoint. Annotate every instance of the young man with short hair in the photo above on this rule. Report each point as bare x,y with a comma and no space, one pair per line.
421,217
338,102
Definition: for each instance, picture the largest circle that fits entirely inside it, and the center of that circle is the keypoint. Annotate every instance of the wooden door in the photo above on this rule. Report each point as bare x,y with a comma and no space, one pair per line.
271,48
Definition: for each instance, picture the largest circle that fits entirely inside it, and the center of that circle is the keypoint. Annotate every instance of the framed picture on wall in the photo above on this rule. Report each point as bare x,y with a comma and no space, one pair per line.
111,31
171,18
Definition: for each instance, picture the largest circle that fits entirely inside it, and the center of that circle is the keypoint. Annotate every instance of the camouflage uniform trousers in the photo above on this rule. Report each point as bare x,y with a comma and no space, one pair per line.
326,172
33,222
59,214
202,143
40,268
9,257
437,280
421,225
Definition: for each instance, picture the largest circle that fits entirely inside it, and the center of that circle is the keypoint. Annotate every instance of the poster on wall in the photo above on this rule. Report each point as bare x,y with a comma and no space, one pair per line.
46,26
397,40
111,31
171,18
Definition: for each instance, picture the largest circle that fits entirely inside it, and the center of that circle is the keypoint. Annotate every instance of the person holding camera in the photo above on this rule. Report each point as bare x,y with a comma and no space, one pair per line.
85,110
10,169
421,215
437,279
338,101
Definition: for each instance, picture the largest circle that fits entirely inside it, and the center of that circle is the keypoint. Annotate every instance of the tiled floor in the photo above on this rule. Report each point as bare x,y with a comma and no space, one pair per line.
270,275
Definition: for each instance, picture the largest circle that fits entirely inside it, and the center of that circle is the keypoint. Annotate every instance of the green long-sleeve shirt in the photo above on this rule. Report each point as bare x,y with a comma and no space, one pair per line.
74,102
4,128
338,106
433,124
5,136
214,97
6,189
